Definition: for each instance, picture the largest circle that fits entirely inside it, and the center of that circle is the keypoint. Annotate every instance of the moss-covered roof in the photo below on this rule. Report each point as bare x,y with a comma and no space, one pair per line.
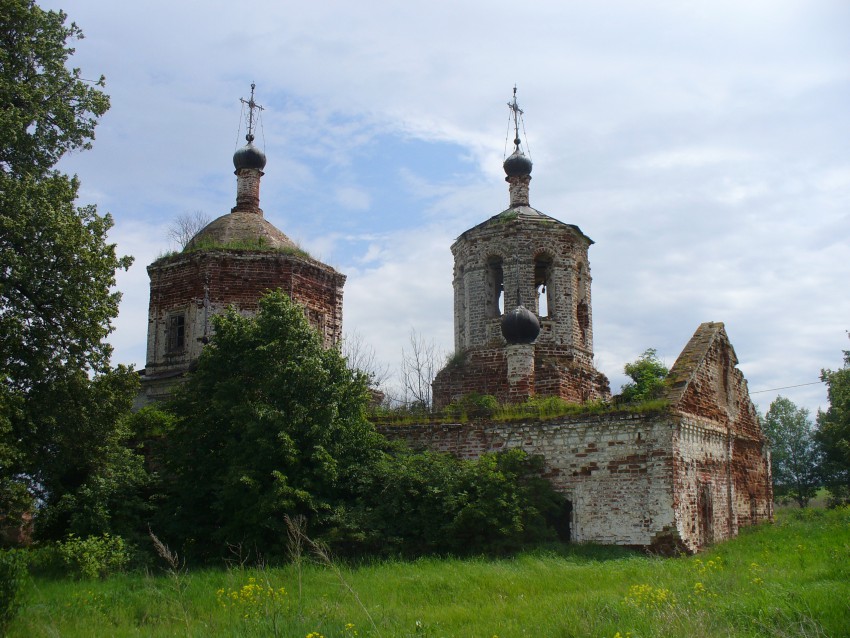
241,227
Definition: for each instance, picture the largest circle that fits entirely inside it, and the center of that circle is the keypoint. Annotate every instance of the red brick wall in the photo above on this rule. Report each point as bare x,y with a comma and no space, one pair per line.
238,278
485,371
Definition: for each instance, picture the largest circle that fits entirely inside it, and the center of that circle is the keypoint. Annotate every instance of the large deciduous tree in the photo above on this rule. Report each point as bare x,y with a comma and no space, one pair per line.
833,431
59,395
47,109
794,454
269,424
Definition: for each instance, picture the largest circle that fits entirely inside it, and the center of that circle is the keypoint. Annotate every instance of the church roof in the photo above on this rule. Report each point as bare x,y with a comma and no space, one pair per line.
523,214
240,229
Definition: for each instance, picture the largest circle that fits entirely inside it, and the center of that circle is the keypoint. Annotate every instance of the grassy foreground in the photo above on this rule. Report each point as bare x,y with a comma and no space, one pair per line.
791,578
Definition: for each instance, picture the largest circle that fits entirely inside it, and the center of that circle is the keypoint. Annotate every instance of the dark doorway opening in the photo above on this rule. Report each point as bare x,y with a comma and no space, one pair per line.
564,522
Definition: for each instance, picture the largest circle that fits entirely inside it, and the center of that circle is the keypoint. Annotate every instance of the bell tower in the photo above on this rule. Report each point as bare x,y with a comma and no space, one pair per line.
522,305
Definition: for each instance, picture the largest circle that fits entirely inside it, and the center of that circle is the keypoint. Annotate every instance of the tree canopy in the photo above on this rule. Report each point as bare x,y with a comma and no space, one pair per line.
48,109
60,401
833,431
270,423
795,459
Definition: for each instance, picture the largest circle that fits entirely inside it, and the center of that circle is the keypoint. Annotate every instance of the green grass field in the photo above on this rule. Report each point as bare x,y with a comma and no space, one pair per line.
791,578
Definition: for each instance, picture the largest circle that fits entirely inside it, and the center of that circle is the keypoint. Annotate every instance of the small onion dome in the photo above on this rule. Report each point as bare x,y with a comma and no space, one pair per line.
520,326
517,165
249,156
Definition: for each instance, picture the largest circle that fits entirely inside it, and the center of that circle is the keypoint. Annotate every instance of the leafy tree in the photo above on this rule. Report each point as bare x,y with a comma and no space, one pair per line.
795,458
833,431
56,274
647,375
269,424
59,399
48,109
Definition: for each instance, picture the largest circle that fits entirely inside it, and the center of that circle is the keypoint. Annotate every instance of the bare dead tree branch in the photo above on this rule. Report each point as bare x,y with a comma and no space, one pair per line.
186,226
362,357
419,365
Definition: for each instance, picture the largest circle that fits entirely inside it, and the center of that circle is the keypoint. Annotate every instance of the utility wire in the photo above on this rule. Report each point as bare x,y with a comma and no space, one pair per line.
799,385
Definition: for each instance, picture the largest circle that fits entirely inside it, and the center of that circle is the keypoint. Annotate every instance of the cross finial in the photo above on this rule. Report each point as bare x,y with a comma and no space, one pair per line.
517,112
252,106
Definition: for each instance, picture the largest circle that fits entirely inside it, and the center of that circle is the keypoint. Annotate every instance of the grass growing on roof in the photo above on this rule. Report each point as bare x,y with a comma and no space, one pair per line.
475,406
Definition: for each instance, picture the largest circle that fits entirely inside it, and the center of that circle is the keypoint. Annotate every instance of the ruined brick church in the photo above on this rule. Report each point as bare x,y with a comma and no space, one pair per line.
676,479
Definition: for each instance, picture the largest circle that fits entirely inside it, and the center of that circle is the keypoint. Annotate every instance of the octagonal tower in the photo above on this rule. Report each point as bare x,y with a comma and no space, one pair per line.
521,262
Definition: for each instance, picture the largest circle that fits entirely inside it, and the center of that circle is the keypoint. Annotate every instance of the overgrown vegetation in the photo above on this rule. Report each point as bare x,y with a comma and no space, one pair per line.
256,246
414,504
93,556
477,406
789,579
647,376
13,576
273,425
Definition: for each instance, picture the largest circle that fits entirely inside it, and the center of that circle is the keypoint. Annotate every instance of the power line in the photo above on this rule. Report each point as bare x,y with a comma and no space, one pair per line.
799,385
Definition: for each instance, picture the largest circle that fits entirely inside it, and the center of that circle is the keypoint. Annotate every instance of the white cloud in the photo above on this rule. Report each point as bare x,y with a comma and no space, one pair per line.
703,146
352,198
688,158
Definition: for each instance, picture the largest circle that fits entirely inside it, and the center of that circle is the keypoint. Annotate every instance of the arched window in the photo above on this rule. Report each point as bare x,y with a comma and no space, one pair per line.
543,285
495,294
582,309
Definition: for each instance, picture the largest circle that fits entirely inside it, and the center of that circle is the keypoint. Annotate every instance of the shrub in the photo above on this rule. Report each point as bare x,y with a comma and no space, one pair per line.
13,572
647,376
473,405
427,502
94,556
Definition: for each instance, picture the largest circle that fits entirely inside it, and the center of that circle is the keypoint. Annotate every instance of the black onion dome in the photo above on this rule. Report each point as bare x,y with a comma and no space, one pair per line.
520,326
249,156
517,165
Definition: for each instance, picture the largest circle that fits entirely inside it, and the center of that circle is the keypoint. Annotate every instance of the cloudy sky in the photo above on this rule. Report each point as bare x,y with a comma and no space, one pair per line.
702,145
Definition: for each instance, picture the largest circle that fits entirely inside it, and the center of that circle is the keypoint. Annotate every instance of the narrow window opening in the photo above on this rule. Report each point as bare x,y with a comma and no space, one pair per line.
706,513
495,287
582,309
543,285
176,327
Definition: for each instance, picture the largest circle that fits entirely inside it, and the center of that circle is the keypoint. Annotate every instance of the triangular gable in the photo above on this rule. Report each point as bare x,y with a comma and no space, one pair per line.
706,382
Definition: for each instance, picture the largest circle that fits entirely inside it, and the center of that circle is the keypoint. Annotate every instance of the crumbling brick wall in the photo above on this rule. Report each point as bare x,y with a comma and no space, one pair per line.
485,371
522,256
203,283
706,388
680,478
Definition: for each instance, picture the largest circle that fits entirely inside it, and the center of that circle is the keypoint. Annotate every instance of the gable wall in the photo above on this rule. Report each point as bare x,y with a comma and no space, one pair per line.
722,474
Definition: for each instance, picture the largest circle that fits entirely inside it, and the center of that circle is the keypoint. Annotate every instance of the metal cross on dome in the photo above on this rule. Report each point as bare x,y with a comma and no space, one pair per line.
517,115
252,106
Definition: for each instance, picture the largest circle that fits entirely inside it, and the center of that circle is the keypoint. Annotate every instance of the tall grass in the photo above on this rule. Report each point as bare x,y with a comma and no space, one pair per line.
791,578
